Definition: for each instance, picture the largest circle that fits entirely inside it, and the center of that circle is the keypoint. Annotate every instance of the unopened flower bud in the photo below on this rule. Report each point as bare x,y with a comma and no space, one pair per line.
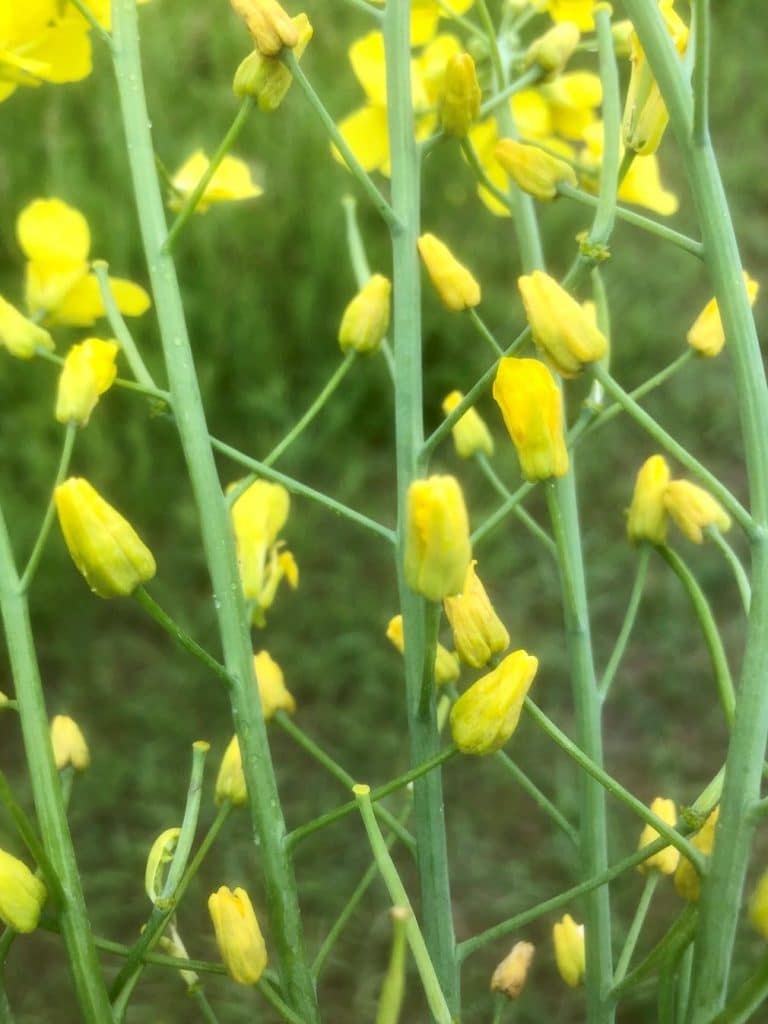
666,860
267,79
532,408
270,25
647,518
89,370
706,334
570,952
687,881
552,51
22,895
511,974
461,97
238,935
470,433
19,335
533,170
622,37
68,742
437,547
455,285
230,782
447,668
366,318
694,509
486,715
258,516
561,328
758,906
274,694
478,632
158,861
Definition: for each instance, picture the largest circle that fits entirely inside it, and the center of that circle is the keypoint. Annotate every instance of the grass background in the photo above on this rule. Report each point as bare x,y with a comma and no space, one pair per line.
264,287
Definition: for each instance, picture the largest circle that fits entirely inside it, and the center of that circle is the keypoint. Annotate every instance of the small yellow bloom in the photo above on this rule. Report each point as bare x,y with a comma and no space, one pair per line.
694,509
89,370
231,181
666,860
533,170
648,514
230,782
274,694
447,668
706,334
478,632
22,895
68,742
581,12
486,715
570,952
460,104
258,516
455,285
42,41
270,25
437,547
572,100
159,859
687,881
267,79
758,906
366,319
470,433
561,328
552,51
20,336
238,935
511,974
532,408
104,546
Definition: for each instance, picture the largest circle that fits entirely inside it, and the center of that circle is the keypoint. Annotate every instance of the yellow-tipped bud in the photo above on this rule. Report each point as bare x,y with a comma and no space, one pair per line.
22,895
437,548
19,335
270,25
105,547
230,782
570,952
622,37
486,715
447,668
561,328
706,334
460,105
258,516
267,79
275,695
478,632
532,408
68,742
552,51
470,434
511,974
647,518
694,509
455,285
758,906
666,860
687,881
158,861
238,935
533,170
89,370
366,318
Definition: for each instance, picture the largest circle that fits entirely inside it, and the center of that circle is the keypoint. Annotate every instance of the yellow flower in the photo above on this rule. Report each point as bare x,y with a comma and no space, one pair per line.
102,11
706,334
511,974
532,408
366,319
561,328
89,370
687,881
758,906
42,41
258,516
22,895
270,25
486,715
425,15
694,509
573,99
68,742
20,336
642,182
478,632
579,11
274,694
231,181
56,240
570,953
238,935
105,547
437,547
552,51
533,170
446,664
648,514
230,782
470,433
267,79
666,860
455,285
460,104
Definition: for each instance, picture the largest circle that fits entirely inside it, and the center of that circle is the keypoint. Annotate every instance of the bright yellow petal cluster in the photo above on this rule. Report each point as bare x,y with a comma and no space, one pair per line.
89,370
20,336
687,881
230,782
447,668
270,25
511,974
478,632
238,935
486,715
22,895
570,952
437,547
470,432
273,693
534,170
561,328
456,286
365,321
706,334
231,181
532,408
694,509
666,860
647,518
460,102
68,742
267,79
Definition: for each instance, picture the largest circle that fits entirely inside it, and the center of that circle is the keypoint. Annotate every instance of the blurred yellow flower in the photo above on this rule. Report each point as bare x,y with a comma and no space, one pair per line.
425,15
511,974
231,181
454,283
642,182
275,695
89,370
22,895
230,782
570,951
647,518
365,320
238,935
447,669
532,407
437,545
478,632
20,336
485,716
706,334
68,742
581,12
667,859
687,881
470,433
694,509
267,79
101,10
42,41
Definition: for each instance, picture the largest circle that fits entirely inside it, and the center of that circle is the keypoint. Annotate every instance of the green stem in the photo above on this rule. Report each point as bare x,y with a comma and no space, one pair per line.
490,37
627,625
733,560
483,461
484,332
529,78
93,21
29,837
120,328
393,986
675,941
701,21
541,801
205,1007
501,513
638,920
605,212
747,998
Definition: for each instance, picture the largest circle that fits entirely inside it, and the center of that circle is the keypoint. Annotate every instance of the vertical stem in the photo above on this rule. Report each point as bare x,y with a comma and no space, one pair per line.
218,542
701,73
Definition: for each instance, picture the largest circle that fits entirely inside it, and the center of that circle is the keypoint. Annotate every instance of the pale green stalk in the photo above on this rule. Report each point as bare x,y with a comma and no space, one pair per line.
485,333
638,920
628,623
218,541
733,560
533,791
393,985
482,460
120,328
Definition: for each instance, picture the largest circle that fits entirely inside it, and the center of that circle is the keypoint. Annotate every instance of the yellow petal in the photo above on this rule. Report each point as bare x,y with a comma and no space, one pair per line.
81,306
365,132
51,231
231,180
366,55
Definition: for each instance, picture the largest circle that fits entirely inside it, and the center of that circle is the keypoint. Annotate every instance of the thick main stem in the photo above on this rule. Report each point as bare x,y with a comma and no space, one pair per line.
218,542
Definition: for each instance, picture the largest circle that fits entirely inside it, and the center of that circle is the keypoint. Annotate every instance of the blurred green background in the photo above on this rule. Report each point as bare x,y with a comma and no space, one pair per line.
264,286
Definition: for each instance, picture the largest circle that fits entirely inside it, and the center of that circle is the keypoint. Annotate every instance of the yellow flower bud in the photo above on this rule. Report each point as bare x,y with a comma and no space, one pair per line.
455,285
666,860
267,79
22,895
19,335
561,328
238,935
460,105
274,694
478,632
269,24
648,514
511,974
159,859
68,742
622,37
447,668
89,370
258,516
687,881
366,318
694,509
105,547
552,51
230,782
570,952
486,715
437,548
470,434
758,906
706,334
532,408
533,170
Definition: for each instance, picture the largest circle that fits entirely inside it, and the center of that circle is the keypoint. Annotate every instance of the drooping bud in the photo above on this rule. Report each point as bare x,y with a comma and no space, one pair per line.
366,319
20,336
706,334
158,862
460,105
230,782
478,632
647,518
22,895
687,881
270,25
533,170
552,51
666,860
447,668
561,328
238,935
267,79
274,694
511,974
258,516
532,408
89,370
570,952
68,742
437,547
486,715
694,509
470,433
457,288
